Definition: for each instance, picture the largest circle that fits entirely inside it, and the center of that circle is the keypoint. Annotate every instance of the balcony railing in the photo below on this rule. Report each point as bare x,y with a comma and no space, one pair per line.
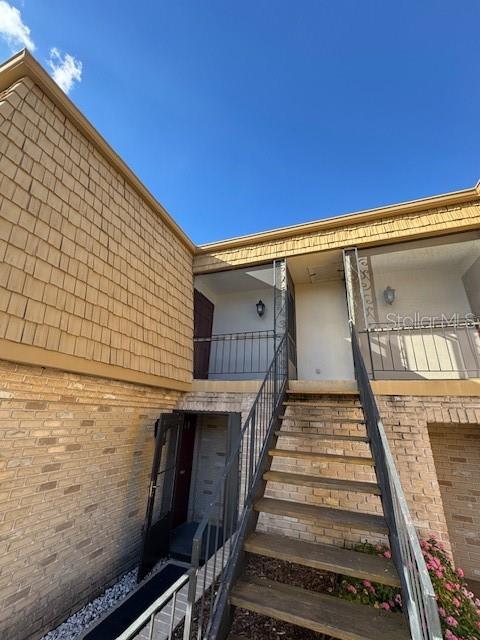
432,348
233,355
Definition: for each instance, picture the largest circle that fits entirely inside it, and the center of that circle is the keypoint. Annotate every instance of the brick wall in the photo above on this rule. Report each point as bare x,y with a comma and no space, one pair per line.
349,500
406,420
456,451
87,268
208,463
75,459
217,401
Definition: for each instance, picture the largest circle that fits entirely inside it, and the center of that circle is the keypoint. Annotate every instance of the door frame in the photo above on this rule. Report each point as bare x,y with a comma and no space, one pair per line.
234,427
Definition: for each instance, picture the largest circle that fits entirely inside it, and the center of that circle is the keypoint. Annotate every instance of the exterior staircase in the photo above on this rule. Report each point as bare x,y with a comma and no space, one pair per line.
322,475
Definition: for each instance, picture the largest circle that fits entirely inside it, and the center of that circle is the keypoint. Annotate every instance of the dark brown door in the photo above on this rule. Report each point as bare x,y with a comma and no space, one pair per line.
183,474
203,321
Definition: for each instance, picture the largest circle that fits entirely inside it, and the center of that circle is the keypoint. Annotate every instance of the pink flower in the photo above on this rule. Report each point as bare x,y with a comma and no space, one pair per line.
456,602
451,621
450,636
460,573
367,583
398,599
388,554
477,603
442,612
449,586
351,588
439,573
478,625
385,606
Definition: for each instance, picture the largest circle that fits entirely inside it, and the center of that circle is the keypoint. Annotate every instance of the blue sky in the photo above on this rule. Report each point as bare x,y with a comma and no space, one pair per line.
244,116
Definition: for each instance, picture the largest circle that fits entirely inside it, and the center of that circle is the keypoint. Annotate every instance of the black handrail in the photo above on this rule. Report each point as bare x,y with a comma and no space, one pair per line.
219,536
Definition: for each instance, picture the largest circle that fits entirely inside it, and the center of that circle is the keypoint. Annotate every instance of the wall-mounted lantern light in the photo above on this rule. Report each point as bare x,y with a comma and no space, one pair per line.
389,295
260,308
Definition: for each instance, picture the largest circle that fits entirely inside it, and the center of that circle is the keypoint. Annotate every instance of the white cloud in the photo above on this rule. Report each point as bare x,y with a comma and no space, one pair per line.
13,29
65,69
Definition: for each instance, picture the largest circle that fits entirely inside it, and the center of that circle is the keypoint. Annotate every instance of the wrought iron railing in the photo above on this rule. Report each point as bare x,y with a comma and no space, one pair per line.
233,354
223,527
418,595
432,346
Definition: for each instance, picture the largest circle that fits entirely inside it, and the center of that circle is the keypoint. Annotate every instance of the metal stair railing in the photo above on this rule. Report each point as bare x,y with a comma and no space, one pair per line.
218,541
199,597
418,595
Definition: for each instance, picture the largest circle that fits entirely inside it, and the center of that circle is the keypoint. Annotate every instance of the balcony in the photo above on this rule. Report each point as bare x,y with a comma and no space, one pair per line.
233,356
433,348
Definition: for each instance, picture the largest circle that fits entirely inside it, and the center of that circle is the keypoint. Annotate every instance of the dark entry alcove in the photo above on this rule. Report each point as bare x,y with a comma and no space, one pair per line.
191,449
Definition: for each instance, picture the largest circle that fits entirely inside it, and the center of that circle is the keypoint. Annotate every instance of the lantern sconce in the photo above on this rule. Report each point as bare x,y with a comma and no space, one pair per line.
389,295
260,308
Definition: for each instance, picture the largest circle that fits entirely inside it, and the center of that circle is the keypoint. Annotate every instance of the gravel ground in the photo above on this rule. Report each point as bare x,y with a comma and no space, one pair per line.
71,628
253,626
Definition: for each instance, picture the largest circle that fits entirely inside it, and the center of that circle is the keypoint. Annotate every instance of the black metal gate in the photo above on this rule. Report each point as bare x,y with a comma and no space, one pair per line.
157,524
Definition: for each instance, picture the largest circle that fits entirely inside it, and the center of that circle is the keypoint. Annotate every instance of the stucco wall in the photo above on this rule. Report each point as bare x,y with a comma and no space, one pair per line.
471,281
323,340
430,293
235,312
88,271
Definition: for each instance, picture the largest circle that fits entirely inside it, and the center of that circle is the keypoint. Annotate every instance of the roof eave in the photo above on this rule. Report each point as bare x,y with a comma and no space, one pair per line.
359,217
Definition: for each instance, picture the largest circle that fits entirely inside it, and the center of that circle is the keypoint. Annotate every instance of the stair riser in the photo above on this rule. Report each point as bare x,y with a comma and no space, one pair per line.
318,421
322,517
340,404
328,484
320,446
332,431
322,457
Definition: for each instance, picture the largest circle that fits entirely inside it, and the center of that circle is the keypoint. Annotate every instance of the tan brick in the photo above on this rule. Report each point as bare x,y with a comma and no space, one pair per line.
57,492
